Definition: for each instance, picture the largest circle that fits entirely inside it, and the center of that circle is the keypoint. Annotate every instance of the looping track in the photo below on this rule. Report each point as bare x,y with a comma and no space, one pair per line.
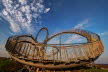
27,50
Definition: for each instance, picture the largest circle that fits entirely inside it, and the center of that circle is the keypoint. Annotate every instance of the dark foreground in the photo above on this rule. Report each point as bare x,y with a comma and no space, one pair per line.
9,65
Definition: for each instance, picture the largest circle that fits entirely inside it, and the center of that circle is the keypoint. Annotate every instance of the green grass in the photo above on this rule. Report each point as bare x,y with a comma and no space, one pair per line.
9,66
4,62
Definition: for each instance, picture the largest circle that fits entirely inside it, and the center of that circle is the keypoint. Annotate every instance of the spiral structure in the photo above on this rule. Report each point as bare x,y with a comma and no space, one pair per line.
27,50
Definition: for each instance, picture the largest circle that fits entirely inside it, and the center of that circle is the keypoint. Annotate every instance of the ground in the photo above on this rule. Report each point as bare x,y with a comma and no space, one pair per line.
9,65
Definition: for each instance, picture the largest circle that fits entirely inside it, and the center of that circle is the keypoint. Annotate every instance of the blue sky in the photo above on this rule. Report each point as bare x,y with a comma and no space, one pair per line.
56,15
66,14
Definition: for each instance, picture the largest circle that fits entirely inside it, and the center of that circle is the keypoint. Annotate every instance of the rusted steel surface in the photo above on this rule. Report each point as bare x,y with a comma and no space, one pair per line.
27,50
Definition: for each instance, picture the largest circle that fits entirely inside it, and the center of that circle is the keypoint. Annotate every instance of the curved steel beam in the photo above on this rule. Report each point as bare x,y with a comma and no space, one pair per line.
47,33
91,37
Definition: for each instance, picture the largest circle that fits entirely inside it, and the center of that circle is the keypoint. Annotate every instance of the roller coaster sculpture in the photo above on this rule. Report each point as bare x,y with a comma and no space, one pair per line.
27,50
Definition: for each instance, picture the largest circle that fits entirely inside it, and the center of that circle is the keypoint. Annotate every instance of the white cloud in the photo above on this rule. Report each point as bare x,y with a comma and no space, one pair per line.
20,14
103,34
47,10
23,2
74,38
13,26
3,52
2,47
77,38
82,24
102,60
54,41
5,12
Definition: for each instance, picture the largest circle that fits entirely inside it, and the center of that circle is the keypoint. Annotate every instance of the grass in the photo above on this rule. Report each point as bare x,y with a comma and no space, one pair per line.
9,66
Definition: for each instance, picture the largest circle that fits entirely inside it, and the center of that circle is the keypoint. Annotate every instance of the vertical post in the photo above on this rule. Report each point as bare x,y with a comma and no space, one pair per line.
27,50
74,53
17,46
60,48
67,55
53,54
20,48
91,50
24,48
85,52
37,70
34,52
57,55
80,51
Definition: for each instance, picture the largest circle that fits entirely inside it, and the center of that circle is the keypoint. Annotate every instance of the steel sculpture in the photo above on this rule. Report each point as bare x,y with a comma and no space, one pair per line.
27,50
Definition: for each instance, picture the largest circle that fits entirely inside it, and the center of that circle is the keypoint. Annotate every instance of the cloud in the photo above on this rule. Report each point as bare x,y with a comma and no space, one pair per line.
47,10
3,52
103,33
54,41
102,60
21,13
2,47
23,2
82,24
74,38
78,38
